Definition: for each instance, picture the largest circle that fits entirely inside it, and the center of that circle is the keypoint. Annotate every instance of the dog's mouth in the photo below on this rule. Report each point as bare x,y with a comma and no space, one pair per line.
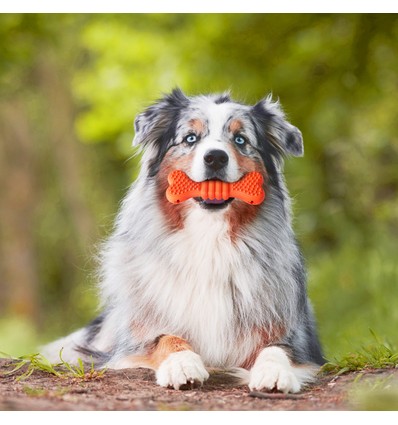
213,204
215,194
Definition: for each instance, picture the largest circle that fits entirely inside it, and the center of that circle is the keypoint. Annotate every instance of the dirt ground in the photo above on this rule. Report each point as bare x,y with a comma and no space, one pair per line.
135,389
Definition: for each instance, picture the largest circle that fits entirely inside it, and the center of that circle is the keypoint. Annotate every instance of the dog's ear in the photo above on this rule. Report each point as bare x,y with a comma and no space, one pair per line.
155,122
285,137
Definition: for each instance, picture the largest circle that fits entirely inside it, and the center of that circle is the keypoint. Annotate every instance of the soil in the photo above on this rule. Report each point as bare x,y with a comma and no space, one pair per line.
136,389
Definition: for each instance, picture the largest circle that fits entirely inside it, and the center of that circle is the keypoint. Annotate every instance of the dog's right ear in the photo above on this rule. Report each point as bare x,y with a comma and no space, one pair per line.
153,125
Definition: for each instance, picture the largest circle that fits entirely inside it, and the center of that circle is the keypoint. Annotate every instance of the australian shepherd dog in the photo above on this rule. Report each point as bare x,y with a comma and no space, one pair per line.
205,284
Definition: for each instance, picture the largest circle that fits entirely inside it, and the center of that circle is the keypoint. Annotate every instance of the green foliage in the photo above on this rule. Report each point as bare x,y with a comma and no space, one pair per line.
18,335
353,290
372,356
63,369
79,370
375,394
35,392
33,362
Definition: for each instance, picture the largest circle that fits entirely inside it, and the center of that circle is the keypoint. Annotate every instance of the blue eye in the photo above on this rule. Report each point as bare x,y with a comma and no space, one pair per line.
240,140
191,138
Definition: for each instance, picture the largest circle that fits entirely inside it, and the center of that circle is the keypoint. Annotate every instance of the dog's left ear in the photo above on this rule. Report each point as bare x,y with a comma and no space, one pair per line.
152,125
285,137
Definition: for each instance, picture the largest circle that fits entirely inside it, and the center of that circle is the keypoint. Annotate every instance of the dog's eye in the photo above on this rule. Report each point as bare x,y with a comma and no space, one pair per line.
239,140
191,138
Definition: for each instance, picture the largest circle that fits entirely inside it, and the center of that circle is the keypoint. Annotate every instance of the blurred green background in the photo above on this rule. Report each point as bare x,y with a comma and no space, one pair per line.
70,87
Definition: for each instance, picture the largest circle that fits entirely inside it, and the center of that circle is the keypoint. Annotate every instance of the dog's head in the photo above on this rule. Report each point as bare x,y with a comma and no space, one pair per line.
214,138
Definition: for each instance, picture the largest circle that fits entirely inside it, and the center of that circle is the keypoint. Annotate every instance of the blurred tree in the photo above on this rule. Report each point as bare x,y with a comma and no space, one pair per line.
19,272
47,220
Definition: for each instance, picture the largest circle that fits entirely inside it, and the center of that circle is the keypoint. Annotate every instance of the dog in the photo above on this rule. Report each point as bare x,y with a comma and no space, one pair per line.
205,284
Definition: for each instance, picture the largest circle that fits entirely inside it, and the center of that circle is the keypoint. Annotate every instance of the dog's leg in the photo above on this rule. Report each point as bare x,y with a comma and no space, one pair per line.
274,370
173,360
177,364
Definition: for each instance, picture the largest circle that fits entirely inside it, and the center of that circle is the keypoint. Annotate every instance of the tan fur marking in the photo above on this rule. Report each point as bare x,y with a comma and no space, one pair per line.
197,125
235,126
167,345
247,164
265,339
173,213
158,351
241,213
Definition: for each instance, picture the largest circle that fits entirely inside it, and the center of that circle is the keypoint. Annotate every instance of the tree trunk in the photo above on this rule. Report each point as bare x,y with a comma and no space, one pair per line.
68,153
18,198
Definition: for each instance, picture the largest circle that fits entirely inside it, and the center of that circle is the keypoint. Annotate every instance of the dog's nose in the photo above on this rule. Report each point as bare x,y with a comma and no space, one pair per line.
216,159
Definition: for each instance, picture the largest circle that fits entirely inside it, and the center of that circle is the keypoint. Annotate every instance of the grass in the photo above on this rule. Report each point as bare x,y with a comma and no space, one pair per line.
380,399
35,392
353,290
369,393
45,392
37,362
372,356
374,393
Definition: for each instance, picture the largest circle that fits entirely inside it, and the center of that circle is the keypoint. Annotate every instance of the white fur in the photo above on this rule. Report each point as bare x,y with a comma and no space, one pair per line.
64,347
198,169
215,117
273,369
181,368
190,278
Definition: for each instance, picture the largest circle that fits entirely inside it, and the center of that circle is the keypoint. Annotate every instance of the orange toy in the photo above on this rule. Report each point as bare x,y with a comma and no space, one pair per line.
248,189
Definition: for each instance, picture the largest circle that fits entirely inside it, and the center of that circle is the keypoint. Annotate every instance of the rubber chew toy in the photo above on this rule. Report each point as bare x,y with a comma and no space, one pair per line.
248,189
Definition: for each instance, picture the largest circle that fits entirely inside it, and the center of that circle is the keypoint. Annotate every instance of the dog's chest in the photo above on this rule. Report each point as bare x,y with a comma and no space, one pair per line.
209,286
204,259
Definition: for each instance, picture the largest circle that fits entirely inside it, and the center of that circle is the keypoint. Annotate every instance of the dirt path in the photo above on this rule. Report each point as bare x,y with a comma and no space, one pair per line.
135,389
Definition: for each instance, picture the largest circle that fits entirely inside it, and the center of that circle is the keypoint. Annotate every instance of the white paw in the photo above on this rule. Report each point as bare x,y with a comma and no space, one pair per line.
272,370
181,368
274,376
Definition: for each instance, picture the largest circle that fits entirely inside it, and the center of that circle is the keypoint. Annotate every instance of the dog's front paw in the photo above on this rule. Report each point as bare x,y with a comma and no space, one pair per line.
274,376
272,370
180,369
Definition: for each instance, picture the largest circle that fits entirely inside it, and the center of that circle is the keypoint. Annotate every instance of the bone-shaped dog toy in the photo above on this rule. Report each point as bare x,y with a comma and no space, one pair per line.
248,189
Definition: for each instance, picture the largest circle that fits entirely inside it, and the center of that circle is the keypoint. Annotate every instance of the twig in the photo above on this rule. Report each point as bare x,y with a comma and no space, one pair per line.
275,396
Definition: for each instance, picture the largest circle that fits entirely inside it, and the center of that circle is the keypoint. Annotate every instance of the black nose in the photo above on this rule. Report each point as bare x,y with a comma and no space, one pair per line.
216,159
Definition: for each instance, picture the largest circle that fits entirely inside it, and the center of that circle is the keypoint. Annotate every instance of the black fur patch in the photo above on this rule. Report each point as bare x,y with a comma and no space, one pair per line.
94,327
289,139
92,330
163,144
160,120
267,150
225,98
294,143
100,358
